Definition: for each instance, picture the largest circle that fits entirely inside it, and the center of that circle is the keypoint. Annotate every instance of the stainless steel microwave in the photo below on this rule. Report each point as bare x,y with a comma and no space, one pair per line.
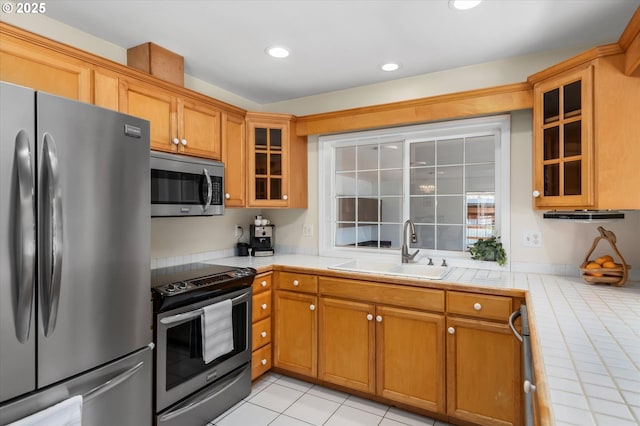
186,186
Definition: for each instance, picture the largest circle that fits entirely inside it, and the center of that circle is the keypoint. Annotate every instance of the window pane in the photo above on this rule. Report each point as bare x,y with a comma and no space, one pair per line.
368,183
391,155
346,159
391,208
450,151
346,209
426,237
367,235
422,181
367,157
423,154
368,210
391,182
480,178
450,237
346,236
345,184
423,209
450,209
480,149
390,236
449,180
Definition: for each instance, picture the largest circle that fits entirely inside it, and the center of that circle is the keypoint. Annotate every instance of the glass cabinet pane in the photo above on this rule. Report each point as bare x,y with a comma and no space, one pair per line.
551,106
261,163
275,162
572,178
572,139
572,99
261,137
552,143
275,138
276,189
551,180
261,188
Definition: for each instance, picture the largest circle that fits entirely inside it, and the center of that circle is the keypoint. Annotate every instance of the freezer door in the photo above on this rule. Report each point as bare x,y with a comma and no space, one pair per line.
115,394
17,241
93,236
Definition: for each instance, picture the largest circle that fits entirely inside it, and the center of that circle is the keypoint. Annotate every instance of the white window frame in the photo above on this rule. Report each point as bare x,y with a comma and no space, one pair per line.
499,124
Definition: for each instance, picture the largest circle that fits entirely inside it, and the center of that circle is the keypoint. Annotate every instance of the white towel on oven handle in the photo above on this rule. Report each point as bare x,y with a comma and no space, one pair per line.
65,413
217,330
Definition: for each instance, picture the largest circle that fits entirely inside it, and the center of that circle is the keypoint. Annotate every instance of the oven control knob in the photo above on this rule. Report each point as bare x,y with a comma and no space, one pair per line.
171,288
182,285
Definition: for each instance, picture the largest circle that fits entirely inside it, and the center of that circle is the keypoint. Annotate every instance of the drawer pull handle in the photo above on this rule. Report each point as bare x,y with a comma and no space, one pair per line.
296,283
264,361
369,317
263,334
477,306
379,318
263,283
312,307
451,330
264,306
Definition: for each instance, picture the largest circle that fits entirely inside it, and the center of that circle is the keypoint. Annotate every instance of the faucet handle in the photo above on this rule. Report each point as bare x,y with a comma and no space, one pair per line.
430,261
444,262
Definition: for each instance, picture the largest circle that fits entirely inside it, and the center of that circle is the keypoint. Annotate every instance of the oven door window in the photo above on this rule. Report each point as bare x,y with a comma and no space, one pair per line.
169,187
184,347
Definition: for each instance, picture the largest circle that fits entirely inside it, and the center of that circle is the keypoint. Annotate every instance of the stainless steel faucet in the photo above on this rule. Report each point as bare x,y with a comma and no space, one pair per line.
406,257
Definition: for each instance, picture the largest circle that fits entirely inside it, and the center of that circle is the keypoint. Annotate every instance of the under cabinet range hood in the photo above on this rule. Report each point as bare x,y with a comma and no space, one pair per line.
584,215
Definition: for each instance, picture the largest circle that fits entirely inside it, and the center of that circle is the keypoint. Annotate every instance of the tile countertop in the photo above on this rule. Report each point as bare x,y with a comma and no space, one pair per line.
588,337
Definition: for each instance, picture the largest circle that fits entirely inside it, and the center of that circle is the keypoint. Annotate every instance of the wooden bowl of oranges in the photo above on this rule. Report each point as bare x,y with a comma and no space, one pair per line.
604,269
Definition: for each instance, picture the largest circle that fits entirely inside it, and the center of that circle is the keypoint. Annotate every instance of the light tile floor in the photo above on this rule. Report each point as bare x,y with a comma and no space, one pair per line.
277,400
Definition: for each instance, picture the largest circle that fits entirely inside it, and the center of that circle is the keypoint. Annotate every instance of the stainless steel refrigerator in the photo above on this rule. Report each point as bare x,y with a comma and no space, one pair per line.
75,312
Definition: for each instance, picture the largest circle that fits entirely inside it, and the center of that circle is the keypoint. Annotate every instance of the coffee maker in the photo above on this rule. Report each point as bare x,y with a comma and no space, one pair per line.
262,240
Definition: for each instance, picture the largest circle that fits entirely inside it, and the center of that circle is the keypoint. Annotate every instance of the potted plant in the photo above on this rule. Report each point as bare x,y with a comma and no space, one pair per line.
489,249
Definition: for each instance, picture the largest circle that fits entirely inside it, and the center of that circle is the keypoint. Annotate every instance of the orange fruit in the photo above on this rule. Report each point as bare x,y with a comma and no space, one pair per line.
593,265
605,258
609,264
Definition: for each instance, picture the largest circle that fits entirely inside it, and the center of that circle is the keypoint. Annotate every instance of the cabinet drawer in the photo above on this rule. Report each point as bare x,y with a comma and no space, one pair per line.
479,305
262,283
261,333
260,361
389,294
297,282
261,306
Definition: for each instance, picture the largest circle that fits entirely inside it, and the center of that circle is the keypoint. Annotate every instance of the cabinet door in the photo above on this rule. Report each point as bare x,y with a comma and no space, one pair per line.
295,333
105,89
483,373
155,105
347,344
234,157
199,129
563,141
410,351
268,164
42,69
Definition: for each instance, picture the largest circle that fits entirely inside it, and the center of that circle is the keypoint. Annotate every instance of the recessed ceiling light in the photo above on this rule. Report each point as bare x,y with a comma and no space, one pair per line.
278,52
390,67
463,4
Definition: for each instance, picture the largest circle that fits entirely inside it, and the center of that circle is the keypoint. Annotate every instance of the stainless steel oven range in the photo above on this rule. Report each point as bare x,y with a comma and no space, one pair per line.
188,390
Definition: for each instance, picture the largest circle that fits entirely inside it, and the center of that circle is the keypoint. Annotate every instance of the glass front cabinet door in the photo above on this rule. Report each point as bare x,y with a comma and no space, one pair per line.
563,141
268,161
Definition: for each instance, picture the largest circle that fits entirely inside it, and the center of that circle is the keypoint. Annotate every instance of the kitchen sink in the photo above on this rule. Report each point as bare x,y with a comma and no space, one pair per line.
413,270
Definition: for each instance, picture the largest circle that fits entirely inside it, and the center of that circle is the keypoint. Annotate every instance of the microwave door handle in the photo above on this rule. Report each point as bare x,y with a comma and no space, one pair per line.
25,242
209,190
52,219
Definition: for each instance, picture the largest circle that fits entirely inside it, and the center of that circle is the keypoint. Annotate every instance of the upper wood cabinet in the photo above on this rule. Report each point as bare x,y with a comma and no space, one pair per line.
586,121
273,149
234,157
199,129
40,68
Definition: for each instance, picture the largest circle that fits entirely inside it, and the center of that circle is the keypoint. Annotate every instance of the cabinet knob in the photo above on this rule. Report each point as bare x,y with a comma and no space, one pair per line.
477,306
227,196
263,283
296,283
312,307
451,330
264,306
529,387
175,141
369,317
263,361
285,197
263,334
183,142
536,194
379,318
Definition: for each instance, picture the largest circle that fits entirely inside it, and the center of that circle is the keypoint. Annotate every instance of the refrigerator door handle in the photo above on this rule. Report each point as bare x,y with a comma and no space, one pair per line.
112,382
209,190
52,221
25,240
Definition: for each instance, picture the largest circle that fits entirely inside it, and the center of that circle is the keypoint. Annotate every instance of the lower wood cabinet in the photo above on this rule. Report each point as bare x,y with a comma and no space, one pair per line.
483,373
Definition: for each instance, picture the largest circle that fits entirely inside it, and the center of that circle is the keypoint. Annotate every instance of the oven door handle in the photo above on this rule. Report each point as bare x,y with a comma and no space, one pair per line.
197,312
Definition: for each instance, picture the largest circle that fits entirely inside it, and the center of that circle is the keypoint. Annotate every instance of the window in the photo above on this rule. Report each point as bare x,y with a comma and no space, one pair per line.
450,179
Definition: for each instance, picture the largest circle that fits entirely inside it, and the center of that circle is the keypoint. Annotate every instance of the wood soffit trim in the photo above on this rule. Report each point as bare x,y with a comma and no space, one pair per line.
632,30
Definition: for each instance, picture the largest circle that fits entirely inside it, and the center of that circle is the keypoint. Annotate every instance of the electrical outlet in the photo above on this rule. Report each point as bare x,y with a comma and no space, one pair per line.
531,238
238,231
307,230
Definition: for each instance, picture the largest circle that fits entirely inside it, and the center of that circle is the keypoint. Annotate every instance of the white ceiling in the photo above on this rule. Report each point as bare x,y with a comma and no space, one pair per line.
340,44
